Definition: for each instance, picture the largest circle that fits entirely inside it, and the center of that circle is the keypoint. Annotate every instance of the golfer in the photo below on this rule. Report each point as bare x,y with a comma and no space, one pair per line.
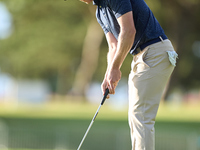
130,27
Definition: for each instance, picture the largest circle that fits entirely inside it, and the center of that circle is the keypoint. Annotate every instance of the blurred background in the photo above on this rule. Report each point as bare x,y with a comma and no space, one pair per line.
52,62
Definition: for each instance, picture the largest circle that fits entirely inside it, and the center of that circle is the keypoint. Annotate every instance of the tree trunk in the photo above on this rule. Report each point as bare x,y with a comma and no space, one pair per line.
89,59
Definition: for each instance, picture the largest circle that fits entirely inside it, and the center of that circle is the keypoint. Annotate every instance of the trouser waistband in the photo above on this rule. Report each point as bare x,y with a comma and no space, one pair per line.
141,47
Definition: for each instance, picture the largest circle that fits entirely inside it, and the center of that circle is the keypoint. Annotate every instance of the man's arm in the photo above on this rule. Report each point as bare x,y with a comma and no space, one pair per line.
112,45
116,57
112,48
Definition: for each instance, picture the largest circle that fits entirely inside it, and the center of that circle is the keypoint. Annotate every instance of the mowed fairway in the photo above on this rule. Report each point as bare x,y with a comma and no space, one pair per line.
62,126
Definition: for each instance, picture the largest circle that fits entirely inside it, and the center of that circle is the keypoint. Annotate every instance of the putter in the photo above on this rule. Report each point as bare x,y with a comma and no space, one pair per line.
88,129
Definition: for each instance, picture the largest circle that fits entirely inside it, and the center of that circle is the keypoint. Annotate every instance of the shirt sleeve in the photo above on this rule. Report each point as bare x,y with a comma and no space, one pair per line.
120,7
105,30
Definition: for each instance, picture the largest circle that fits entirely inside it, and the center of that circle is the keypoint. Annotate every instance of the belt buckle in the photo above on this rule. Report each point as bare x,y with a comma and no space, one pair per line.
161,38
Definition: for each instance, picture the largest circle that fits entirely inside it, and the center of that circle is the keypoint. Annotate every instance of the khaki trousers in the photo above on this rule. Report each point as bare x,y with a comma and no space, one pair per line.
150,71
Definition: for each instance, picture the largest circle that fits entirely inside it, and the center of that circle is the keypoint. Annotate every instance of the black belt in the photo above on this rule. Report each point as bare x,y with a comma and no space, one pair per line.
141,47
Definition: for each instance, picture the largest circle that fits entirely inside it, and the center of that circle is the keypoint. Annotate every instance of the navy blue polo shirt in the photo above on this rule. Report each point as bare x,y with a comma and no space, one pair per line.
147,27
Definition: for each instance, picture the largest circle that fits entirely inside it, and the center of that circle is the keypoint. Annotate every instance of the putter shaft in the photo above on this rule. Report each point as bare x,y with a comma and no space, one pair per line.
88,129
91,123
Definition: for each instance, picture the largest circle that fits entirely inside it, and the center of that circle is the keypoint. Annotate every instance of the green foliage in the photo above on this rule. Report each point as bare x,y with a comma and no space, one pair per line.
42,38
47,38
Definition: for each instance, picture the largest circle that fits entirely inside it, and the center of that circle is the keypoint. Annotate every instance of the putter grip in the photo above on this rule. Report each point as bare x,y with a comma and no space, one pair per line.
105,95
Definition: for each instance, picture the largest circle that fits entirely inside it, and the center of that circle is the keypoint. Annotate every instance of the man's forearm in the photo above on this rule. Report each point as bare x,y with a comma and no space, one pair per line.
113,74
110,57
125,42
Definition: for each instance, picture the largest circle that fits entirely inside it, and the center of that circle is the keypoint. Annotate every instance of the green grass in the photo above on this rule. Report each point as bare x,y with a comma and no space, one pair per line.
69,110
67,120
26,149
174,112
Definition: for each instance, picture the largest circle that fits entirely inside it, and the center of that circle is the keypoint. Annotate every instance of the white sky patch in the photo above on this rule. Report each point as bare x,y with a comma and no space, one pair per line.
5,22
